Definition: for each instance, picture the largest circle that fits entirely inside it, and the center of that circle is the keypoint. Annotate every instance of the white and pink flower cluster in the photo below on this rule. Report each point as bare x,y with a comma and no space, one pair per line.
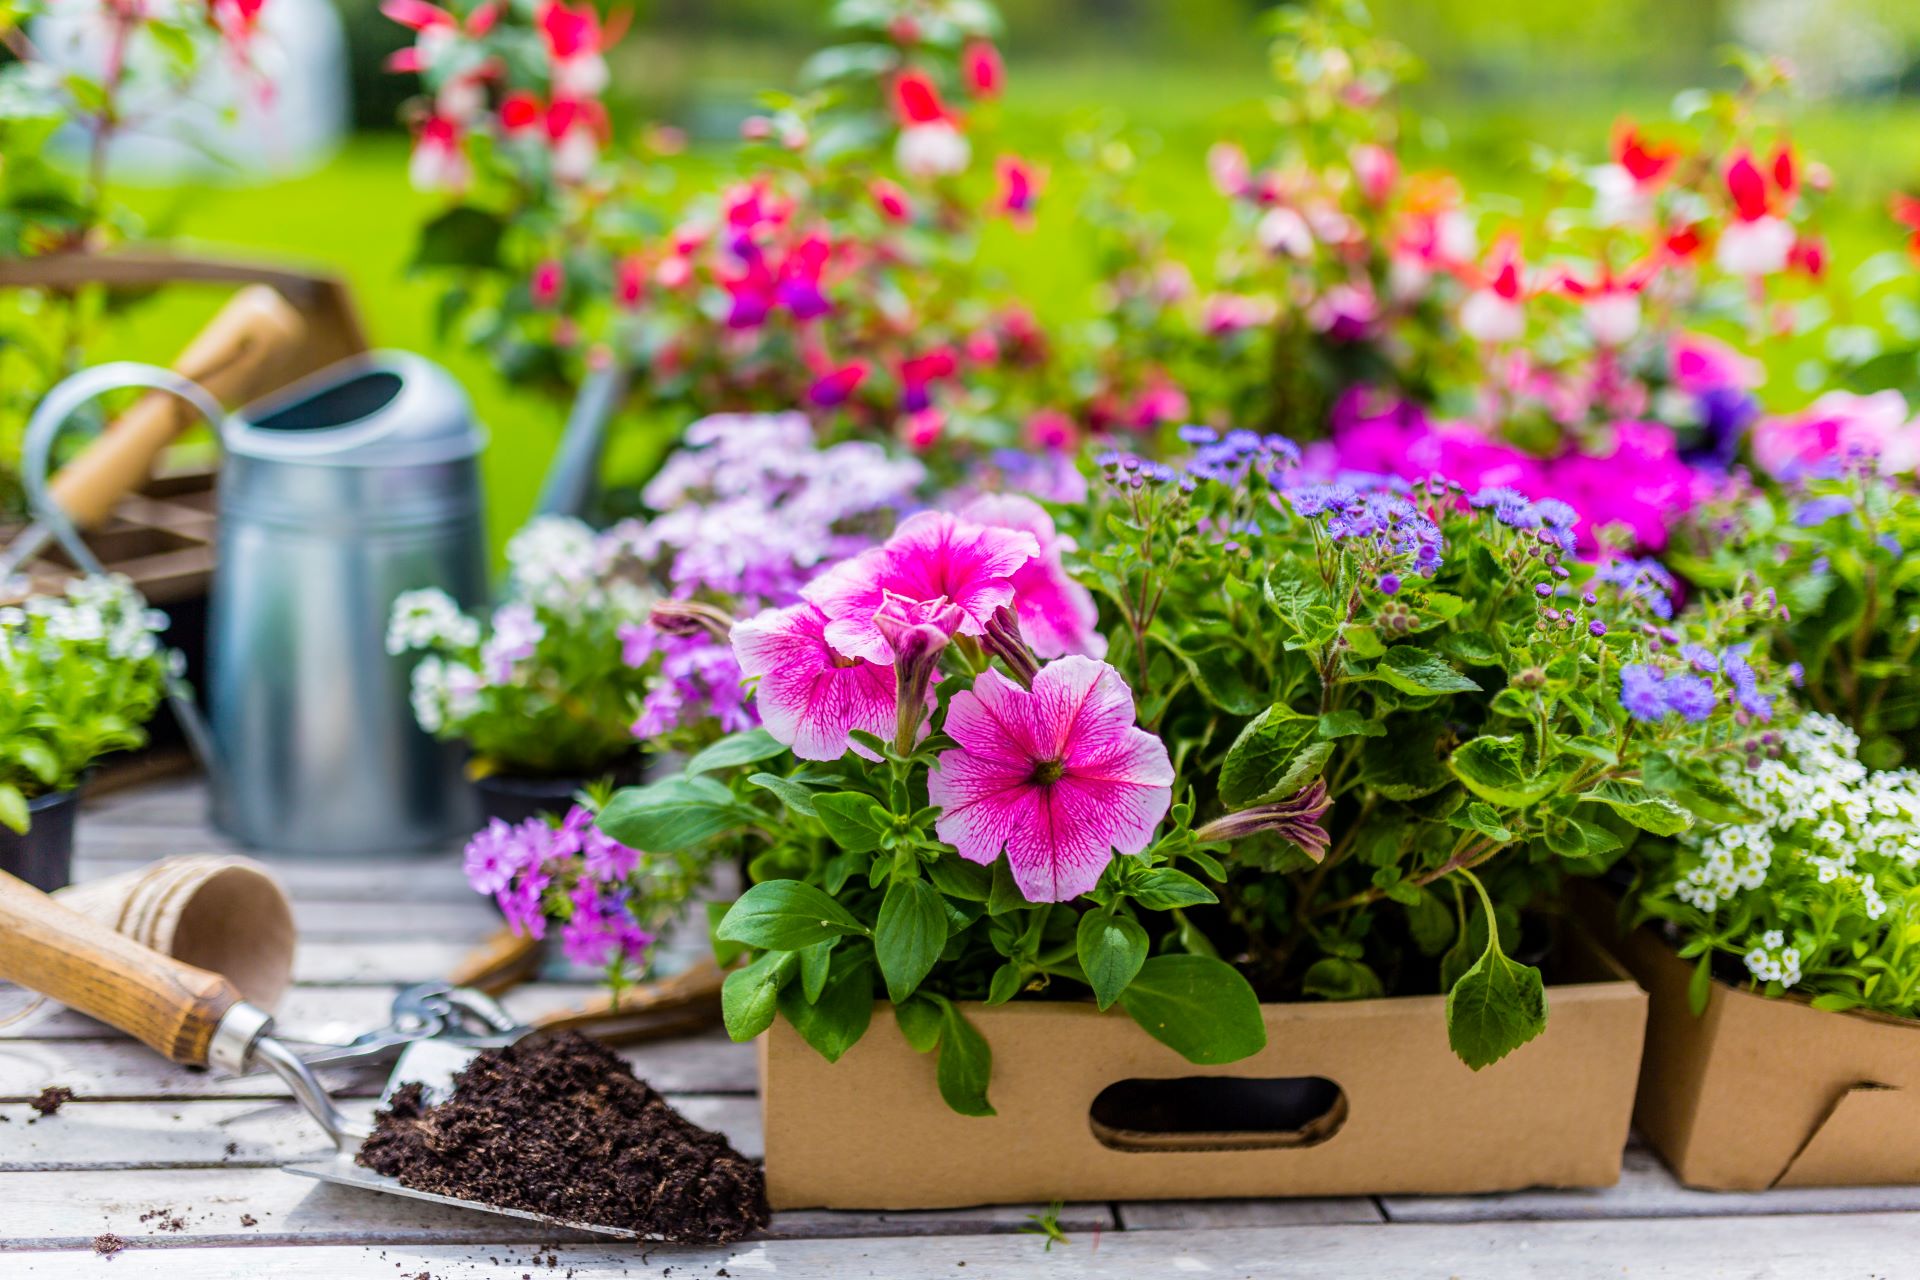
1048,765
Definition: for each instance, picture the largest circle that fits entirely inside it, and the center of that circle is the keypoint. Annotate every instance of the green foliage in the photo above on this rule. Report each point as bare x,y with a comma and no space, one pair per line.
80,676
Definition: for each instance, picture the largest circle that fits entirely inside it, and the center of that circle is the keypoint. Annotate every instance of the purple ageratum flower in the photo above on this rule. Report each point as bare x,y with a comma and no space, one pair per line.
1596,628
1642,692
1818,511
1643,581
1195,434
1700,658
1746,685
1318,499
1691,696
1389,584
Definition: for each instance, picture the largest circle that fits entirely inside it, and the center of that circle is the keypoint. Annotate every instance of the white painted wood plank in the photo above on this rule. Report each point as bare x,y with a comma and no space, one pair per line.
436,878
67,1210
1647,1190
262,1133
1878,1245
1171,1215
122,1070
465,921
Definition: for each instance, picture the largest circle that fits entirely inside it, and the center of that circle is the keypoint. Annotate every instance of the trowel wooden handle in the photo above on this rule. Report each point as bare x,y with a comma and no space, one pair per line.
170,1007
247,338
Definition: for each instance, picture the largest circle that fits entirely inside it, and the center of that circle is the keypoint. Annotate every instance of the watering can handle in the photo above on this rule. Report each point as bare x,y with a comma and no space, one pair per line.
169,1006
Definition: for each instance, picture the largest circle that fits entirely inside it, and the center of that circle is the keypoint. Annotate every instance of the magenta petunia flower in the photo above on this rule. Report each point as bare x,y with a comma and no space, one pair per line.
1057,614
811,695
1059,776
933,559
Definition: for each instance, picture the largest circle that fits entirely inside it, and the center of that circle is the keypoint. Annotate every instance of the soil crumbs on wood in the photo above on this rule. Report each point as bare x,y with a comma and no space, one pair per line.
51,1099
108,1244
560,1127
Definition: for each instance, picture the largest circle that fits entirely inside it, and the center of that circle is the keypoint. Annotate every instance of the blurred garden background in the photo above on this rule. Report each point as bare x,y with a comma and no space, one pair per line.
1509,85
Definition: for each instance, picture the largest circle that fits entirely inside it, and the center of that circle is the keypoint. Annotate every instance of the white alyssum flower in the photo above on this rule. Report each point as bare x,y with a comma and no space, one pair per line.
428,617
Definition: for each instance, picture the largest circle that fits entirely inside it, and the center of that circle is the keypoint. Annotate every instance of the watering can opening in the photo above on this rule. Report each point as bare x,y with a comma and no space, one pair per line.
340,405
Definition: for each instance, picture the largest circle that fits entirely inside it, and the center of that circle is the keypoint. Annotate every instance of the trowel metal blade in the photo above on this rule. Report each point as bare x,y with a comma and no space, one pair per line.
344,1172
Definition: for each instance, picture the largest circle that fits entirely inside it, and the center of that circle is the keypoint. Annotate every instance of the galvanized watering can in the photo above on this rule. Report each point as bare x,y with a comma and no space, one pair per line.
336,495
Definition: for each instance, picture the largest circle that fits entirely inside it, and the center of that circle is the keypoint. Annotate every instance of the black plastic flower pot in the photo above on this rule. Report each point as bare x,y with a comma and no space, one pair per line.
515,797
43,855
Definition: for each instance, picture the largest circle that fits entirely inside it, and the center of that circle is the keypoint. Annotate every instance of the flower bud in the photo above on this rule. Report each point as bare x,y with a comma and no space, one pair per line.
1004,641
1296,818
916,655
690,617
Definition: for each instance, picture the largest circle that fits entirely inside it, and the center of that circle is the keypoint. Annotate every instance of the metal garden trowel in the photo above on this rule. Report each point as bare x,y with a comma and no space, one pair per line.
198,1019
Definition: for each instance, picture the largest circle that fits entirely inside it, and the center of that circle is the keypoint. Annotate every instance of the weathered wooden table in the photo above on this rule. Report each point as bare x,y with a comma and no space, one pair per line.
183,1165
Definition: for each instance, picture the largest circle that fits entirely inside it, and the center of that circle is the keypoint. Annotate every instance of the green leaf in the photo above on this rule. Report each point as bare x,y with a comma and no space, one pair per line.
1700,985
1494,768
911,933
672,814
1402,765
1165,889
966,1064
1496,1006
1648,810
38,759
1200,1007
954,876
792,794
1005,985
13,809
1216,674
1411,669
724,952
920,1022
834,1021
1347,724
1336,978
746,747
1111,948
750,996
1274,756
463,236
1005,894
1474,648
1484,818
849,818
815,964
1431,922
786,915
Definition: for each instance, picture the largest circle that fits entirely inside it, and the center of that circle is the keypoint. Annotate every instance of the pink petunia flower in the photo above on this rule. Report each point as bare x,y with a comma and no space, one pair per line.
933,558
811,695
1839,423
1057,614
1059,776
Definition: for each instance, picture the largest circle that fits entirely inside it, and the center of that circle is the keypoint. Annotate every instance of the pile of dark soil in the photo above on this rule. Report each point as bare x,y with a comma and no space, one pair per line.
559,1126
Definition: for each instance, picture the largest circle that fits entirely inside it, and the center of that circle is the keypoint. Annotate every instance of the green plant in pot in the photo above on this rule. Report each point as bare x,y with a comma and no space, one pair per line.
80,676
541,689
1344,743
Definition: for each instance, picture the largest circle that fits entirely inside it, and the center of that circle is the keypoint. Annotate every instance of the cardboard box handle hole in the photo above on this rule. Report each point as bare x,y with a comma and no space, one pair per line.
1218,1113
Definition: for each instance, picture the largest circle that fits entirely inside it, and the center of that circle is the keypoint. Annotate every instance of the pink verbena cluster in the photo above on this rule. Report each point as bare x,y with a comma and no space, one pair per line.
571,872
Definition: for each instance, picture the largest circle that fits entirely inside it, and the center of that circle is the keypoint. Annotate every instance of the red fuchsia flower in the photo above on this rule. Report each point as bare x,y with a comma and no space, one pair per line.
1019,189
836,386
1058,776
1284,232
921,430
933,559
930,144
1647,163
916,100
1496,311
1376,169
438,163
980,64
436,30
1683,241
1906,211
892,202
798,287
521,112
574,42
1057,615
630,281
1784,169
548,279
919,373
1229,313
811,696
1756,243
237,21
1808,256
1609,303
1159,403
574,131
1051,430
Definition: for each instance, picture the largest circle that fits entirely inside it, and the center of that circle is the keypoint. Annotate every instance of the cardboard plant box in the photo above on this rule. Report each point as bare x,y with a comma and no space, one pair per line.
1756,1092
1382,1105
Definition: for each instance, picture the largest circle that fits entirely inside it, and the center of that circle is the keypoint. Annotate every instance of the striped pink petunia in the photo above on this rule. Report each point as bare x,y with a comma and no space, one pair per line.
810,696
1058,776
